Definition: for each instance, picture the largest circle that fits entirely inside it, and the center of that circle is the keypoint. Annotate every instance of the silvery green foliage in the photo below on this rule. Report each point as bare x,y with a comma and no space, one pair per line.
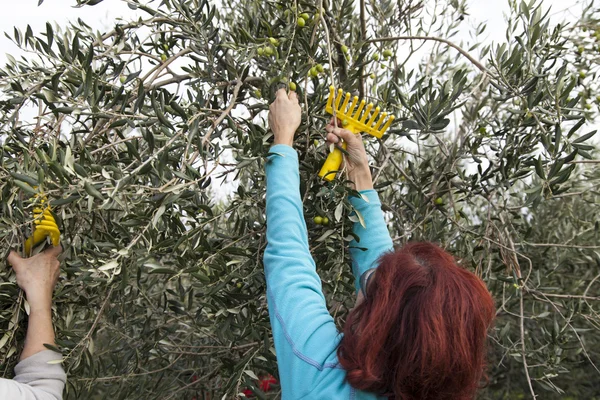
149,139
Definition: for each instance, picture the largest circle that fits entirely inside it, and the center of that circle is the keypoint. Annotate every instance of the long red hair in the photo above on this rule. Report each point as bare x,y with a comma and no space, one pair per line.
421,331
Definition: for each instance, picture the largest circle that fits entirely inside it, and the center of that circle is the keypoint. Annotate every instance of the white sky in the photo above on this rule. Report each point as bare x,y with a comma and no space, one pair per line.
23,12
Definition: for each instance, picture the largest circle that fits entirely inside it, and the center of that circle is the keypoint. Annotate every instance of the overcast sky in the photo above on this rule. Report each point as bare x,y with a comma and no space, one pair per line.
22,12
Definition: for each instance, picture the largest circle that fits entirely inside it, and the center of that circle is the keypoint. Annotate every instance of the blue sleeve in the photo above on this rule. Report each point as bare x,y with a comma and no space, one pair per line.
374,239
304,332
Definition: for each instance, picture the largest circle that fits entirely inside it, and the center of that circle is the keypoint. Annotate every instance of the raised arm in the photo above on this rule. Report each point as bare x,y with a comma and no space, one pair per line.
39,375
303,330
374,237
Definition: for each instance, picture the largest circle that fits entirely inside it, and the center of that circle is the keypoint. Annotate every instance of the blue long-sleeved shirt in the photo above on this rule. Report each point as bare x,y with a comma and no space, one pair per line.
305,335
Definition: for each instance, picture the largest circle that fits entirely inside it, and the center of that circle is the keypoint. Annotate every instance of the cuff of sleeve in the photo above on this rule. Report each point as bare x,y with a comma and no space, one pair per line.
282,150
39,366
282,167
371,196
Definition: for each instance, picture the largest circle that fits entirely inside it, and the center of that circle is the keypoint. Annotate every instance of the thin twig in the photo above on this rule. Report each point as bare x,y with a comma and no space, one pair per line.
94,324
569,246
363,36
128,376
225,113
523,348
479,65
566,296
157,70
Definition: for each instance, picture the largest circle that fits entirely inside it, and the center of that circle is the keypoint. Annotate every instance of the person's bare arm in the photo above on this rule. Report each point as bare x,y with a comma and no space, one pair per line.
373,238
37,277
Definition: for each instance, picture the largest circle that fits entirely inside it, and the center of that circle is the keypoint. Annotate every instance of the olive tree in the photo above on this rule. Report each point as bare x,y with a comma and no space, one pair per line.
149,141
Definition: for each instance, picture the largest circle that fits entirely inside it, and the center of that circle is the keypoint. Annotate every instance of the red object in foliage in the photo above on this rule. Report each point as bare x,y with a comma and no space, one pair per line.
264,384
194,379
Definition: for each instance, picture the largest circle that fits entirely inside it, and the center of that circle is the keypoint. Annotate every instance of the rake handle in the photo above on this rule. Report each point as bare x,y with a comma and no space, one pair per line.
332,164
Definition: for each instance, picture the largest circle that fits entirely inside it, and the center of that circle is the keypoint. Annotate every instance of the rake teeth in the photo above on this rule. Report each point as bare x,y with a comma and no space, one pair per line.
366,113
373,116
359,119
330,99
360,108
44,226
352,106
342,109
380,121
338,99
387,125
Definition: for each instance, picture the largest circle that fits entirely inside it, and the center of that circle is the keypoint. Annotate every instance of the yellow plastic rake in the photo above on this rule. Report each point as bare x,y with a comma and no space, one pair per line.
353,121
44,226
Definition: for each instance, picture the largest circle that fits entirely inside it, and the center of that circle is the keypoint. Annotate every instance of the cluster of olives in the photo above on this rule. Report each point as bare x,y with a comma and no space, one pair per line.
302,18
321,220
316,70
268,50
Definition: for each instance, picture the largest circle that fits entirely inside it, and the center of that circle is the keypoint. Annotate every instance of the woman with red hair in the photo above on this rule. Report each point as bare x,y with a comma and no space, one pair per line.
419,328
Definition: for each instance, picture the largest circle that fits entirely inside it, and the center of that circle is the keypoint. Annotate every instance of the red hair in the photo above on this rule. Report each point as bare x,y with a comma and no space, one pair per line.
421,331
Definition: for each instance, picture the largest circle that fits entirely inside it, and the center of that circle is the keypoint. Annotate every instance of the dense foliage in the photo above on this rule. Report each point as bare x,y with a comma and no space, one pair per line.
150,139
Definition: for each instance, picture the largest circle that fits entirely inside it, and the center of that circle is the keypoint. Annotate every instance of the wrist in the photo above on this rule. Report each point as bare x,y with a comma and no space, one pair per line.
39,311
289,141
40,303
361,179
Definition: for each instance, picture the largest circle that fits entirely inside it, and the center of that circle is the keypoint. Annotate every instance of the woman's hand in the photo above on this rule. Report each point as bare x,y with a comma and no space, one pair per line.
356,161
37,276
284,117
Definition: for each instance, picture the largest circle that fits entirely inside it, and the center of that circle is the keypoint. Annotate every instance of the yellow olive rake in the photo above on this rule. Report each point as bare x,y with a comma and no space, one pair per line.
354,122
44,226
